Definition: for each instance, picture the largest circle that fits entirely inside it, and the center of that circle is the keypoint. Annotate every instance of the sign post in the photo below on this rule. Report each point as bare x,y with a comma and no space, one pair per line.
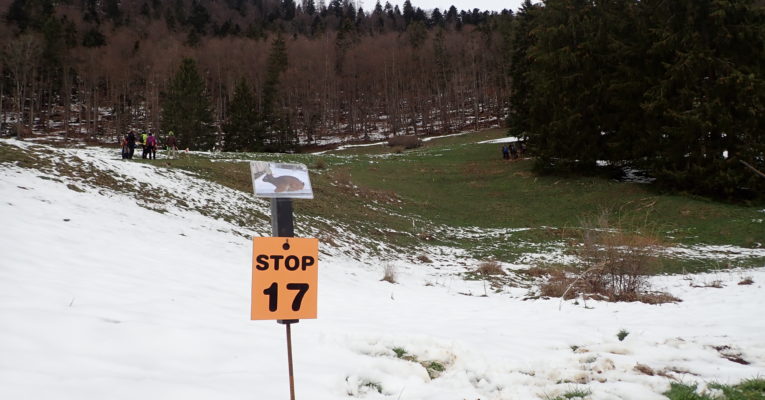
284,268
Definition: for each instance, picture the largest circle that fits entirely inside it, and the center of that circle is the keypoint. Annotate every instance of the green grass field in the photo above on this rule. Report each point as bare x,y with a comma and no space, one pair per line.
456,192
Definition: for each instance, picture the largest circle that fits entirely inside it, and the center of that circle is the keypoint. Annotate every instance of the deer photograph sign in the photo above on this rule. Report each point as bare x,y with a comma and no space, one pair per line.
280,180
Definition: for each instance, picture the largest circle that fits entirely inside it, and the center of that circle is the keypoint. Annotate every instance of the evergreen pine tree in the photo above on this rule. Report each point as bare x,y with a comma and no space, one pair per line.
564,129
273,125
288,9
436,18
408,12
709,97
520,65
241,128
621,45
310,7
186,109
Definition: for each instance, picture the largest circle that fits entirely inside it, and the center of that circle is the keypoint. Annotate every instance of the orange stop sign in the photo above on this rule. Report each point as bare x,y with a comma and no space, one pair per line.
284,278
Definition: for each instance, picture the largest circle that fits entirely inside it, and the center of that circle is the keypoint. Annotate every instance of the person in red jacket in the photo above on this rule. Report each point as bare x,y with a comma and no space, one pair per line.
151,146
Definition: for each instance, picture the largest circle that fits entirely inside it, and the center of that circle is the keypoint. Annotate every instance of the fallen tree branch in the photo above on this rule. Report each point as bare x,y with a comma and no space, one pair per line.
752,168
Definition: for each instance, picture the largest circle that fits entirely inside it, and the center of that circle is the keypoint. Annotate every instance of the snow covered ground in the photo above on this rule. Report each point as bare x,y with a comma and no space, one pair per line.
106,294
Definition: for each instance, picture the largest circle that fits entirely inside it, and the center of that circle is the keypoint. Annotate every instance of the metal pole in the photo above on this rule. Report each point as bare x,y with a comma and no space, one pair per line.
289,323
289,360
282,226
281,218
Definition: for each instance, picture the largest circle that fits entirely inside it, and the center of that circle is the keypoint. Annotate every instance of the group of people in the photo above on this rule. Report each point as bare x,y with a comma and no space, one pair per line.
148,144
512,151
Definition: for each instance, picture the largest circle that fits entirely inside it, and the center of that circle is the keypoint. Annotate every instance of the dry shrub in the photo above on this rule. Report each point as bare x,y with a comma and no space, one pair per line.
389,273
407,141
490,268
557,285
616,264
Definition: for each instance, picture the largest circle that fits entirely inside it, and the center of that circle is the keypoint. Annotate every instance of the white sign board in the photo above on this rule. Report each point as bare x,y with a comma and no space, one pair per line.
280,180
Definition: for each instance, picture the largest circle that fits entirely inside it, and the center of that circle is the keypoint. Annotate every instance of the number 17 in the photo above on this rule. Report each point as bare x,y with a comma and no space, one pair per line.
272,293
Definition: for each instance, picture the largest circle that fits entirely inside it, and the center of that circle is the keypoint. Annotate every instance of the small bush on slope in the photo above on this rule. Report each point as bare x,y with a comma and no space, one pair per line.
615,265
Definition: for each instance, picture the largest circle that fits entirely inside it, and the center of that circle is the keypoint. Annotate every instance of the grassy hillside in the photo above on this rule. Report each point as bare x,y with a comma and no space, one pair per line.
456,192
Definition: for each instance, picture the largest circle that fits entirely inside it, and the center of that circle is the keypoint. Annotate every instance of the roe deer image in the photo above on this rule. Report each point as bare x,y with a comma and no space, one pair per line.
284,183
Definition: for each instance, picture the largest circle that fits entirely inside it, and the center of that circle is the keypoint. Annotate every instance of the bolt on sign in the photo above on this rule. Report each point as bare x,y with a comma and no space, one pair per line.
284,278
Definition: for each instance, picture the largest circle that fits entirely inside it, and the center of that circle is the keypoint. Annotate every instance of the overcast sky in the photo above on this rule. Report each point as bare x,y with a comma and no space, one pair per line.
491,5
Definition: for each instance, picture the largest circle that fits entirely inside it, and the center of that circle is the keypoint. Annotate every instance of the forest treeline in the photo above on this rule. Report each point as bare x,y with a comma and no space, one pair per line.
676,88
251,74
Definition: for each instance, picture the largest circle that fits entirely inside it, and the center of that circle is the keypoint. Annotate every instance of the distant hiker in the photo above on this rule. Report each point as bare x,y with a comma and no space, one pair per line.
151,147
522,149
145,148
131,144
125,147
513,151
505,153
172,145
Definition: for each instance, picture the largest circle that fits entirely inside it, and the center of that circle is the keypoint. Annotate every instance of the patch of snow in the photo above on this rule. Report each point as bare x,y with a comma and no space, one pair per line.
427,139
104,295
351,146
636,176
508,139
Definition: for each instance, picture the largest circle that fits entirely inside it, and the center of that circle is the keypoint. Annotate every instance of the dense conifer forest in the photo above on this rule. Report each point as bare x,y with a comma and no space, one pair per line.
674,88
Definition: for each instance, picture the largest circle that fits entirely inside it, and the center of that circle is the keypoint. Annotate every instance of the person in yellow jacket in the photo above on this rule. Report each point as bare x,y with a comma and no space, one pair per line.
144,146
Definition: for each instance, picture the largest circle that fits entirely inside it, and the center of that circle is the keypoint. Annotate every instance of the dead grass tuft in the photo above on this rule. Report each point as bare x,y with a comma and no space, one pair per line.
717,284
490,268
746,281
731,354
424,259
657,298
644,369
389,273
